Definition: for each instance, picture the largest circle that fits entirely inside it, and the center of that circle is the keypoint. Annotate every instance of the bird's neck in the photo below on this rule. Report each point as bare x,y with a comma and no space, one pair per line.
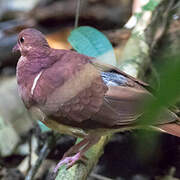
28,70
36,52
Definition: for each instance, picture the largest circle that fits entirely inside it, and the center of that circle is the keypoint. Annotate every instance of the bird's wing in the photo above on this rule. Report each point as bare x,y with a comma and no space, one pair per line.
72,88
122,105
109,68
124,100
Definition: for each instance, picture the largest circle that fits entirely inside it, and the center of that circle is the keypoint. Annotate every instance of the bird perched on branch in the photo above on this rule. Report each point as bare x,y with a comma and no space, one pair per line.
76,95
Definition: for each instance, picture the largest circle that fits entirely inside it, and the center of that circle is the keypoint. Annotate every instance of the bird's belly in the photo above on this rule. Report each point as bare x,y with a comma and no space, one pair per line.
37,114
65,129
71,130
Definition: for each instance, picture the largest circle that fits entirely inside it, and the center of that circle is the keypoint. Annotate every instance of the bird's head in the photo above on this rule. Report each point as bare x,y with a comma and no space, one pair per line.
30,39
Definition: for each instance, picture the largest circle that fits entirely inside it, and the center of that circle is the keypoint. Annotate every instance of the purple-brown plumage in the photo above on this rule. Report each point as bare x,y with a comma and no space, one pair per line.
67,92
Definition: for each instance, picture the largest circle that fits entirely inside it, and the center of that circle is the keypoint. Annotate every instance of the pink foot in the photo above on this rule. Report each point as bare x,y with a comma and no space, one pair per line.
70,161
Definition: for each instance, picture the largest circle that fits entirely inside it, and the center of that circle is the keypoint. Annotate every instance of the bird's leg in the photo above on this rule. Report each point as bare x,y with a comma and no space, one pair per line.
76,152
76,148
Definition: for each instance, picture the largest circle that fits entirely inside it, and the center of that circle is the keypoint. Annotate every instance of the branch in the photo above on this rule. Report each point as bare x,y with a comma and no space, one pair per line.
80,171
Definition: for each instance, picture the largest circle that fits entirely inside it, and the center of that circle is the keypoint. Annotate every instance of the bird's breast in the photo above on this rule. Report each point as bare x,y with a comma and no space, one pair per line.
26,80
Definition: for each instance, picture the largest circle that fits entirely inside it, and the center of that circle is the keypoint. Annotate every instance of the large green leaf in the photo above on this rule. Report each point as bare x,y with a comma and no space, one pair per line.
168,92
91,42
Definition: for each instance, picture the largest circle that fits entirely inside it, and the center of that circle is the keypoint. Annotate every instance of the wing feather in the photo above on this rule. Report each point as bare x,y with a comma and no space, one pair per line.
121,106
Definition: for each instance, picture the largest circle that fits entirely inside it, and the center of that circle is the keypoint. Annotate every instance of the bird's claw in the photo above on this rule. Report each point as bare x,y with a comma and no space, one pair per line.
70,161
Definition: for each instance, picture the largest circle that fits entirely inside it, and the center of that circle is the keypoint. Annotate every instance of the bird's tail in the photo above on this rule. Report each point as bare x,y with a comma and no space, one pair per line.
171,128
169,123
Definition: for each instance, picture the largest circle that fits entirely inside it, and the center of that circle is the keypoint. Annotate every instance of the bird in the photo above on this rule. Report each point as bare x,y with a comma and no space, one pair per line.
77,95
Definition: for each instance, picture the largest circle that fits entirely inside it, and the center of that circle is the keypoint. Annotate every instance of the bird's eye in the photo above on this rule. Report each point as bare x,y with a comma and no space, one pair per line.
21,39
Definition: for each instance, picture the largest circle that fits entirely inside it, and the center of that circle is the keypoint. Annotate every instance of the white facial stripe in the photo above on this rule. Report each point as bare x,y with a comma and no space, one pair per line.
35,82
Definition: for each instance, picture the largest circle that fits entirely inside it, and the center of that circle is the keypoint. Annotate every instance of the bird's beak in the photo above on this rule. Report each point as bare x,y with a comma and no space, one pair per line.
15,48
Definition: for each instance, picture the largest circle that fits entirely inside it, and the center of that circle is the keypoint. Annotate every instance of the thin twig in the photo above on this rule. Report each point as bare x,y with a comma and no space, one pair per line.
77,13
42,155
30,150
99,177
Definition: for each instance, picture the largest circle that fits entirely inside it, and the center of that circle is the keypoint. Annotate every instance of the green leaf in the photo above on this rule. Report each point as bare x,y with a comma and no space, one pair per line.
169,91
154,109
150,6
91,42
43,127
